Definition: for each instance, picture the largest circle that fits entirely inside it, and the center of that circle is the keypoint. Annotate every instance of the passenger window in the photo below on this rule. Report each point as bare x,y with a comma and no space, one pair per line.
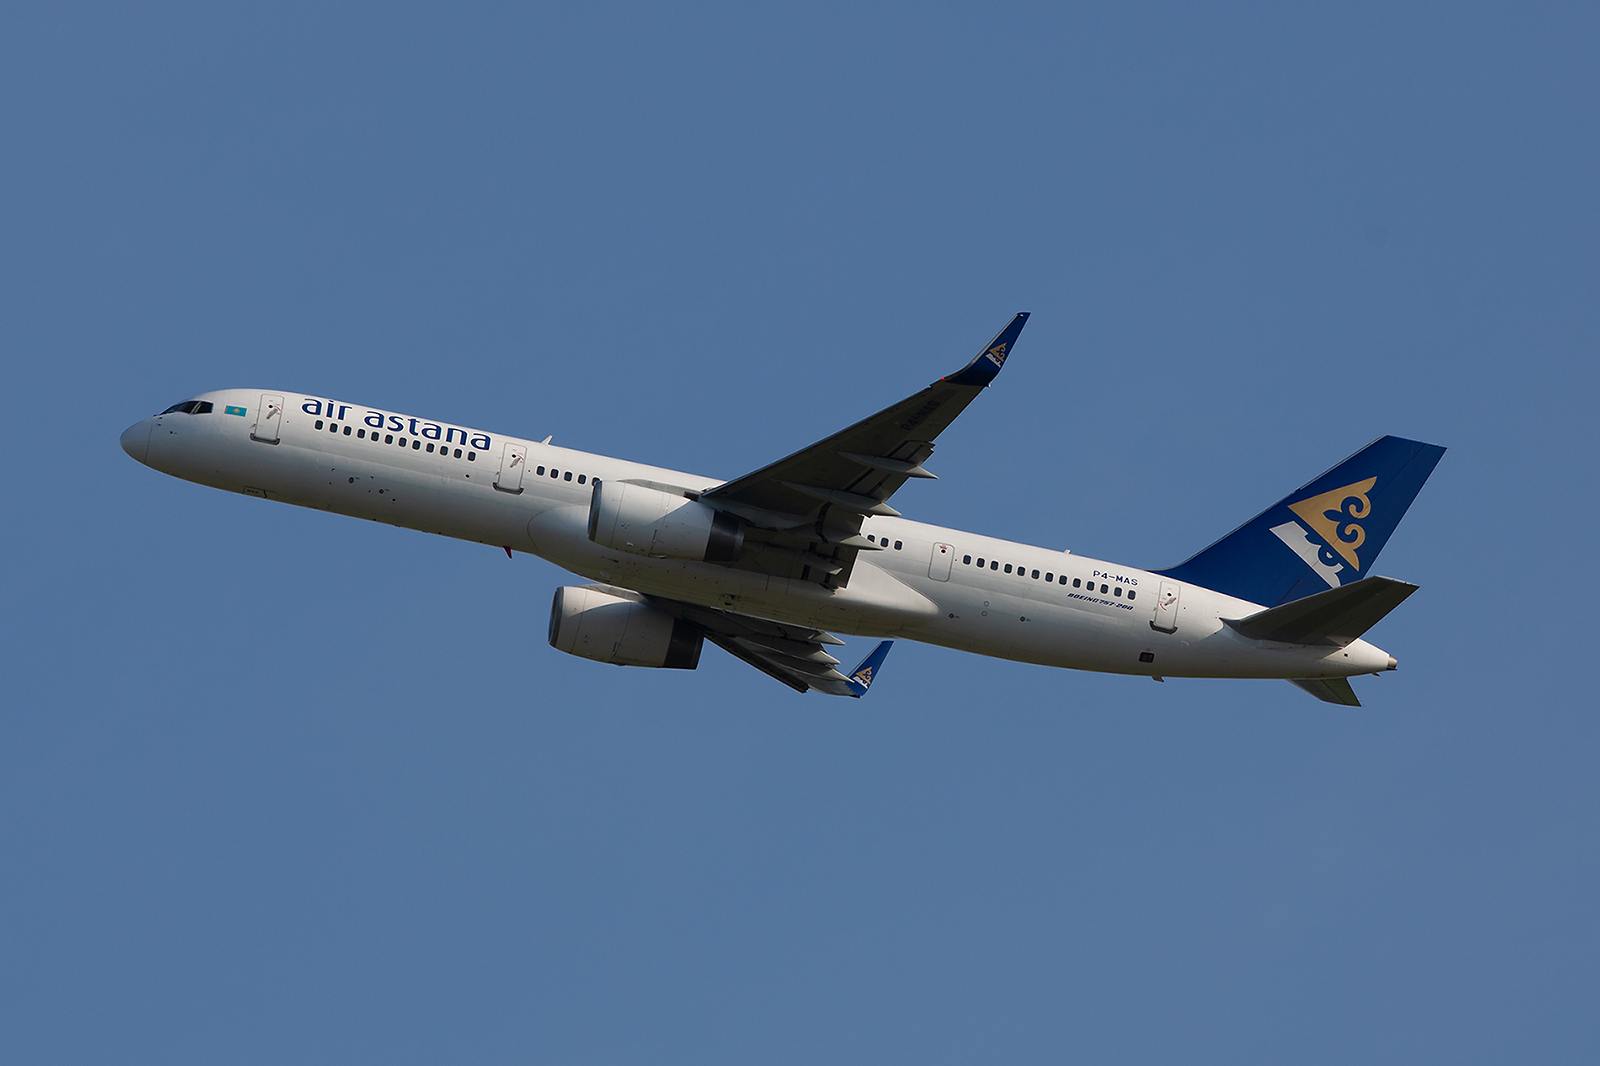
1050,578
416,445
333,427
361,434
430,447
347,431
993,565
1063,579
567,476
1130,594
898,545
554,472
541,471
319,423
1077,583
980,564
1117,591
1036,573
458,453
388,438
966,560
871,539
1102,590
581,479
1008,568
472,457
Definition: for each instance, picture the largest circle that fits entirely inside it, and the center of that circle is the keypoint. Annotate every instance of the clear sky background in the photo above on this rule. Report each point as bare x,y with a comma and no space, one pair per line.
281,786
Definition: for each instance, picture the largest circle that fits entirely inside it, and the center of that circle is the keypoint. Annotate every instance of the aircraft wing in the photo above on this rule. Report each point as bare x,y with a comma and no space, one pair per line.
859,468
794,655
813,501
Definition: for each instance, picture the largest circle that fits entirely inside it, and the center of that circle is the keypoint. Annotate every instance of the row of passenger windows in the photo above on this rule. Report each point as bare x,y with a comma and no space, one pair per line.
444,450
583,479
389,438
1022,571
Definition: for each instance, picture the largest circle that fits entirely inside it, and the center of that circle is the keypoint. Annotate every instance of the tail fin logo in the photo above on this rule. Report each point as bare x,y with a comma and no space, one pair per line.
863,676
997,353
1336,517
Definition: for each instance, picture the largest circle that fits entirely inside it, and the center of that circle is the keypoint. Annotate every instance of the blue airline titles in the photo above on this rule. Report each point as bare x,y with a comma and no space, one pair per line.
770,565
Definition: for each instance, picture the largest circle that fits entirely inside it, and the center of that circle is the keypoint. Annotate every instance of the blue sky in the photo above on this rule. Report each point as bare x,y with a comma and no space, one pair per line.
278,785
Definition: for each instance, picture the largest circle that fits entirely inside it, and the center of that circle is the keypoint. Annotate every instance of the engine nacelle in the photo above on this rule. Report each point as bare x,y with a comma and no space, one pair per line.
613,628
646,521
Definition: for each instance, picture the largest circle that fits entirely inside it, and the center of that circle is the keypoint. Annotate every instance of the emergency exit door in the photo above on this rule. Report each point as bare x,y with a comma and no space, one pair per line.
513,461
939,565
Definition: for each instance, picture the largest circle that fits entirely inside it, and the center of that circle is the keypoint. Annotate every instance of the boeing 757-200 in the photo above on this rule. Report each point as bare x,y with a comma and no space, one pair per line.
769,566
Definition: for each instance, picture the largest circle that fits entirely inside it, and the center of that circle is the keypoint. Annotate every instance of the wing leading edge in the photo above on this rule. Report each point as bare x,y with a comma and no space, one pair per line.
859,468
805,511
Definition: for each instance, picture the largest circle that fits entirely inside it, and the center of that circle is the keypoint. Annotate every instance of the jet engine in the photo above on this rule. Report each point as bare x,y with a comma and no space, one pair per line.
646,521
619,627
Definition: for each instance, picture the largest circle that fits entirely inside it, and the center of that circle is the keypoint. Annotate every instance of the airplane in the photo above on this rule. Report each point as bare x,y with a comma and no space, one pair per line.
771,565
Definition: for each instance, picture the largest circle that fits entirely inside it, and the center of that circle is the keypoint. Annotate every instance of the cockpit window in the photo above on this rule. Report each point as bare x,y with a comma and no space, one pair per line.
190,407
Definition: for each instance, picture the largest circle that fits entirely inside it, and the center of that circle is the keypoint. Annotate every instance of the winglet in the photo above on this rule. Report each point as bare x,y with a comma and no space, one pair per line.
986,366
862,675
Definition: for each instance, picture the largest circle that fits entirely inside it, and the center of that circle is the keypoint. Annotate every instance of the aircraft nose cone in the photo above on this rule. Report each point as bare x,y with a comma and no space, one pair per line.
136,440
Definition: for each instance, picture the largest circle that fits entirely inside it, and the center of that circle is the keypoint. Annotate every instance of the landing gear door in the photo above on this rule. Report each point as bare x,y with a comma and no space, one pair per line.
939,565
1166,619
513,462
269,419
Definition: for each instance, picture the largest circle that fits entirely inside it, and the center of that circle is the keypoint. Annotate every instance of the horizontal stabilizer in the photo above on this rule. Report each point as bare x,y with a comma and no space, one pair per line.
1337,616
1329,689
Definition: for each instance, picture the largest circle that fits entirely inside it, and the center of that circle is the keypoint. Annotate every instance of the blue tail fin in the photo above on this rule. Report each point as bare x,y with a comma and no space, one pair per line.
1325,535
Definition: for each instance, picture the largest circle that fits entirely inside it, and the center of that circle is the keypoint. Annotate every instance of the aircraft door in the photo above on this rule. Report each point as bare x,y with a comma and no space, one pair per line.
513,461
1166,619
269,419
939,565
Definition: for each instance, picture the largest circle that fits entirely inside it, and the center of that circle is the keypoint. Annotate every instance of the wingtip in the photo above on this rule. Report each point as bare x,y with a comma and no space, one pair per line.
985,367
861,677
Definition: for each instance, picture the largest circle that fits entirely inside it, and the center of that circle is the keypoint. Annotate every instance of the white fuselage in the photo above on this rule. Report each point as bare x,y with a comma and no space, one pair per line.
926,585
